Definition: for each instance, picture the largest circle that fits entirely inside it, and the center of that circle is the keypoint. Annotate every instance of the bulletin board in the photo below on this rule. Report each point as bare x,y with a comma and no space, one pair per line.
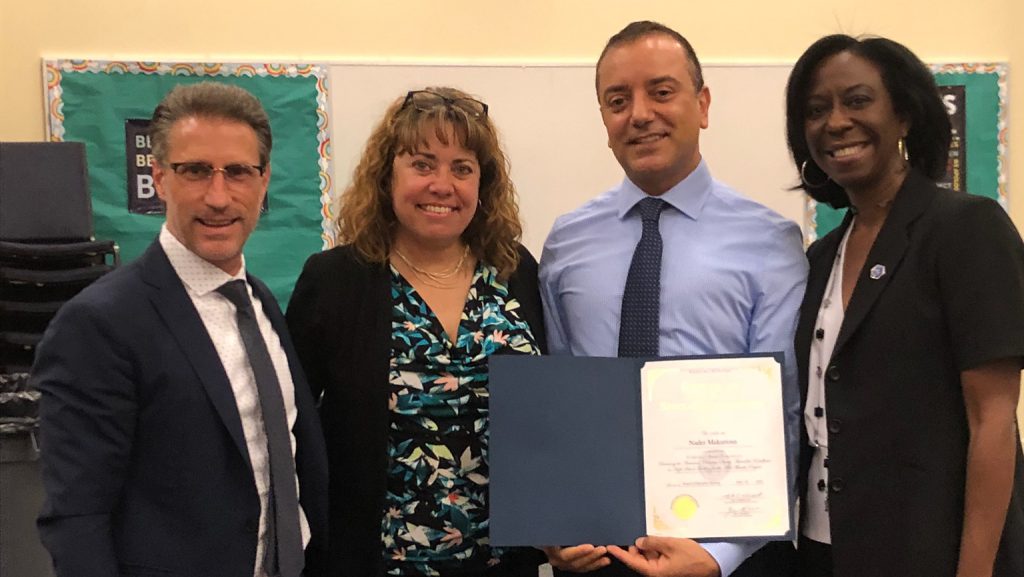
546,113
93,101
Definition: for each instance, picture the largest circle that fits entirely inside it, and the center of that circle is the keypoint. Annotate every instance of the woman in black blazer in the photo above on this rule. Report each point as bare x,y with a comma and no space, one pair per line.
911,335
394,328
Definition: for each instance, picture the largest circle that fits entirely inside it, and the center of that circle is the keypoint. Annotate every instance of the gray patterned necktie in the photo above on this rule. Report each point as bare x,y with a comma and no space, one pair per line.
284,556
639,321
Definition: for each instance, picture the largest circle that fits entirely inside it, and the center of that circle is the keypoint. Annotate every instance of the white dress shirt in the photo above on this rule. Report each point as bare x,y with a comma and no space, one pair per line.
732,278
201,280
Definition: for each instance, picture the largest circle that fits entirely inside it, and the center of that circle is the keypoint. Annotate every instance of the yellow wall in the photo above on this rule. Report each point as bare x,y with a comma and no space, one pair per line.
297,30
207,30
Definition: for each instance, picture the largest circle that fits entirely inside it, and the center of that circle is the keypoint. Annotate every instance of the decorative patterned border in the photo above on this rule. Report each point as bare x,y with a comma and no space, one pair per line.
1001,71
54,70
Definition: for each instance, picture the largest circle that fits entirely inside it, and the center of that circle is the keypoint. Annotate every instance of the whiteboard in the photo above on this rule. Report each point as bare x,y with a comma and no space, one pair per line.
552,132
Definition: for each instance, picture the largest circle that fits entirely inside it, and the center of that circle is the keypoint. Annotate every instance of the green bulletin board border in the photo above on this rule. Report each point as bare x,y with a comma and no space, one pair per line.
977,77
79,86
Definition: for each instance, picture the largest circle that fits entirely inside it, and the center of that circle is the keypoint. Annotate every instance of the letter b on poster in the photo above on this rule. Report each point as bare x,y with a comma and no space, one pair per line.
142,198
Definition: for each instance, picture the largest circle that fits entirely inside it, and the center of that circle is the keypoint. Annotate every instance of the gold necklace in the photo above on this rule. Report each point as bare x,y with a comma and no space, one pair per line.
438,277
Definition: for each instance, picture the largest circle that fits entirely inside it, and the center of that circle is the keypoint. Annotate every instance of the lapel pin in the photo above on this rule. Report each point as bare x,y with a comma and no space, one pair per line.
877,271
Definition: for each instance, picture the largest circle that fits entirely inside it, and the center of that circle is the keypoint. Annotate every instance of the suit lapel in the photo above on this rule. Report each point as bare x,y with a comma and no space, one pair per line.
179,315
886,254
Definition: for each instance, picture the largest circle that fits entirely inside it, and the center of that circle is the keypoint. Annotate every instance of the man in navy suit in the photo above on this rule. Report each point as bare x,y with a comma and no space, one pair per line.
177,437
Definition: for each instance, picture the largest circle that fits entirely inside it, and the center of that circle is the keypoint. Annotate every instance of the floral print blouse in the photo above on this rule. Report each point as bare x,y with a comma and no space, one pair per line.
435,520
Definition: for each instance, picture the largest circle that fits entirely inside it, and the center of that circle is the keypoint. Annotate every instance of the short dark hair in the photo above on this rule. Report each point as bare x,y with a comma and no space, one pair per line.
642,29
912,90
209,100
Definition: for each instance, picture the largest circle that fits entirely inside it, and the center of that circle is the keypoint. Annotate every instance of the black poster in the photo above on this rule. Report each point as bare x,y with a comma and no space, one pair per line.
142,198
954,97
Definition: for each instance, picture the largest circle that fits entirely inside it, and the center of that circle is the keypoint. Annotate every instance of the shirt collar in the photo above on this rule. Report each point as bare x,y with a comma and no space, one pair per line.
198,275
687,196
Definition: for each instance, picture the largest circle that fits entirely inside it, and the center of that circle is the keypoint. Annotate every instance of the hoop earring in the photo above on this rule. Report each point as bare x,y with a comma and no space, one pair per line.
902,145
807,184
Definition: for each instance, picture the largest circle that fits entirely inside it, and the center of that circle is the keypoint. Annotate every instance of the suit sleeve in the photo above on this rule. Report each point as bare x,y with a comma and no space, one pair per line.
87,414
981,283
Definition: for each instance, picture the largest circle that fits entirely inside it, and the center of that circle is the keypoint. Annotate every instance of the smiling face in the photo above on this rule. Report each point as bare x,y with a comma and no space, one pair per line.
212,218
434,192
652,111
851,128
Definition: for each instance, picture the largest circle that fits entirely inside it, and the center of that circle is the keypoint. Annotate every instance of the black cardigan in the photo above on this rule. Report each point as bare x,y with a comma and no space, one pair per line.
340,320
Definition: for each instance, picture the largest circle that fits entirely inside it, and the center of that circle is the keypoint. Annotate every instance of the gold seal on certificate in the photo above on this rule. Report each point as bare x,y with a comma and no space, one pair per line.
714,448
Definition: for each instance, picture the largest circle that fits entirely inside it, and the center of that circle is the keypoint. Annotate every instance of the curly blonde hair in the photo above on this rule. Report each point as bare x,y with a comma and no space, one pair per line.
366,217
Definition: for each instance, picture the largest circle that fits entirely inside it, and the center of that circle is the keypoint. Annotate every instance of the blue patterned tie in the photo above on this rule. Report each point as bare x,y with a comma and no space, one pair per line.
284,556
639,321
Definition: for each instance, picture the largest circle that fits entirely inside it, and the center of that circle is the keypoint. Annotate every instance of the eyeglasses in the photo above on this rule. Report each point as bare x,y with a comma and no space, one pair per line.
426,100
242,174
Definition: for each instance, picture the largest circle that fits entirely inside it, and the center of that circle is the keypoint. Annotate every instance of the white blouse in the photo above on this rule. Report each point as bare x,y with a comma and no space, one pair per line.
826,331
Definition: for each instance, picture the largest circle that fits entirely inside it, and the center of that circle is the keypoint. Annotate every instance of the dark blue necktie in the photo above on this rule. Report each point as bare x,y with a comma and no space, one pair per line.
639,321
284,555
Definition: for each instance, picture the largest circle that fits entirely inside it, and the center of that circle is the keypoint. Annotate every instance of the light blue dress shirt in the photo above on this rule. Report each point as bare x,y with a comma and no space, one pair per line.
733,275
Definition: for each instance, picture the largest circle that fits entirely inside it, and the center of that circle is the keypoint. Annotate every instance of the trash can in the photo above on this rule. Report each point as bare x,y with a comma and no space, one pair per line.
21,488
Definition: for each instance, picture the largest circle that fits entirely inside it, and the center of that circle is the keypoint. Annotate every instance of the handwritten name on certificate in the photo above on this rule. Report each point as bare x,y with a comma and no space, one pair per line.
714,448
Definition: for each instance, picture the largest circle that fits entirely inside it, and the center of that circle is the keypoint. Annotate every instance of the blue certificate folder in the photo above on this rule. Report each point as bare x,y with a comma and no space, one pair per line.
566,450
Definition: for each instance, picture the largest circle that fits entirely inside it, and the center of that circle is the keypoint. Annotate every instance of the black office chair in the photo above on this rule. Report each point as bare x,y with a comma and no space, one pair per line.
47,249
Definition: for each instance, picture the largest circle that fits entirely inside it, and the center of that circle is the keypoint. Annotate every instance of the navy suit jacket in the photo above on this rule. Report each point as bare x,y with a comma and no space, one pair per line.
145,464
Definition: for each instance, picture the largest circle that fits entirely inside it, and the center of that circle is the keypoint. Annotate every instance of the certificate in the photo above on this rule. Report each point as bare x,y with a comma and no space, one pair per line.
714,448
605,450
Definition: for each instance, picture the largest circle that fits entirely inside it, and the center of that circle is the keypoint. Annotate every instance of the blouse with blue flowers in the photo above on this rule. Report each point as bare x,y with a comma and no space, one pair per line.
436,517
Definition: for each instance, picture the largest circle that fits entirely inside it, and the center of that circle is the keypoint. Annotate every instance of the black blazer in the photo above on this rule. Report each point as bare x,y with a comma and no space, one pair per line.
951,298
144,460
340,318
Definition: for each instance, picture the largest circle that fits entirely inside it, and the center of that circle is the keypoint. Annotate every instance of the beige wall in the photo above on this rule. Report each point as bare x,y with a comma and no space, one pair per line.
461,30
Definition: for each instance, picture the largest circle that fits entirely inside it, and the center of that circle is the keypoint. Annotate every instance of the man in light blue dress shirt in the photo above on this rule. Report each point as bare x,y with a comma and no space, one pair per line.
732,271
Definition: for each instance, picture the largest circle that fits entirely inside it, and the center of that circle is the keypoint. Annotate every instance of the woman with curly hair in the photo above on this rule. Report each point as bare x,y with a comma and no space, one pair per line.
394,328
